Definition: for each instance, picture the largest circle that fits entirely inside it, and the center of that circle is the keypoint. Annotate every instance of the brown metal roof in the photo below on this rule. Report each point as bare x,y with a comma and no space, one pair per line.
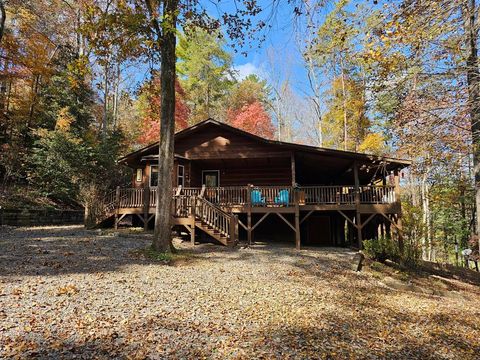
399,163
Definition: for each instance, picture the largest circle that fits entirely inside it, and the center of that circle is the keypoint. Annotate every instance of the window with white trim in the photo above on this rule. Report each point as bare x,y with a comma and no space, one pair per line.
139,176
181,175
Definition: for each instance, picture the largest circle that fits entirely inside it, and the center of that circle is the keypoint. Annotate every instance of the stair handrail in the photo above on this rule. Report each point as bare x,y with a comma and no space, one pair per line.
213,205
223,226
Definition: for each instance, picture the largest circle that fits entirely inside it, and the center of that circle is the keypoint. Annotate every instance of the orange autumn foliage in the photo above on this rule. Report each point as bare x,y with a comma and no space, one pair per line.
150,120
252,118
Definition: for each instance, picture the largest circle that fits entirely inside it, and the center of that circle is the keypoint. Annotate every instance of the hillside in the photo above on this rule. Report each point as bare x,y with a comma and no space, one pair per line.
21,197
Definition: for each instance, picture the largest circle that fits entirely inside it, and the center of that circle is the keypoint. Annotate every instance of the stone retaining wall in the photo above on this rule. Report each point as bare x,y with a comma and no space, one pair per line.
38,217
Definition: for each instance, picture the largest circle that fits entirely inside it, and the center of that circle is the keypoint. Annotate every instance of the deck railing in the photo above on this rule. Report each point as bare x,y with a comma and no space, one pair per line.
258,196
327,195
272,196
152,196
213,216
227,196
182,205
131,198
377,194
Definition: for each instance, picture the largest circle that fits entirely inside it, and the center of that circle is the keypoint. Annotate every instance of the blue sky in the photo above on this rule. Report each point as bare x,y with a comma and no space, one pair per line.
283,40
282,44
280,41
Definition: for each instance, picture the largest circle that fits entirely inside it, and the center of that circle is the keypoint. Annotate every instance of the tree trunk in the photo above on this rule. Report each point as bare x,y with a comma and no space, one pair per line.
463,205
345,118
116,95
2,19
80,40
105,101
312,76
426,253
473,81
162,240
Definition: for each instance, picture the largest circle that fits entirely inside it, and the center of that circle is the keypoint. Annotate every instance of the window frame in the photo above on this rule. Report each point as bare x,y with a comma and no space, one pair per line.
150,176
211,171
181,177
139,172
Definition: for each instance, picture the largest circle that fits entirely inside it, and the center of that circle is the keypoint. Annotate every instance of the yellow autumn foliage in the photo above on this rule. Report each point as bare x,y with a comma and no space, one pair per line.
373,143
64,120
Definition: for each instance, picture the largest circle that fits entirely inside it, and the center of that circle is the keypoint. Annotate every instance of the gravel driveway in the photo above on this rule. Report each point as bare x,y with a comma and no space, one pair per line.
70,293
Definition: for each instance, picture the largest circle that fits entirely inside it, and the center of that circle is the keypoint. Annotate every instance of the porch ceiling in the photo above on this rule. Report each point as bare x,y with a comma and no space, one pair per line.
321,169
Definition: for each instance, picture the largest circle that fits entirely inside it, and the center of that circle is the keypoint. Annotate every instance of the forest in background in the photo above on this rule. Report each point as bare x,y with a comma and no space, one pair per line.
79,87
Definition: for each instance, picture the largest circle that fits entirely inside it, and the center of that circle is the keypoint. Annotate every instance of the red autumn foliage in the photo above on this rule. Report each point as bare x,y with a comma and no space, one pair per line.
150,123
252,118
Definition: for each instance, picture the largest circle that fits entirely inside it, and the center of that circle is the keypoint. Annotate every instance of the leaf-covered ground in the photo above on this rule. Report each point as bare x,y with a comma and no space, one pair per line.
70,293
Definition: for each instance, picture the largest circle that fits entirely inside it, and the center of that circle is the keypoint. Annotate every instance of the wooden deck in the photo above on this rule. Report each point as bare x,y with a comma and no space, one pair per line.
215,210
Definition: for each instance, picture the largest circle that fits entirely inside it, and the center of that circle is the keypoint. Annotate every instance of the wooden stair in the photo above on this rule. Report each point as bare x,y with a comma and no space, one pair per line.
217,235
214,221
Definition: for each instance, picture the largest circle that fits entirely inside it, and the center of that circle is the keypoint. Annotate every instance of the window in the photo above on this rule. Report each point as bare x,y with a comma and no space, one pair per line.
211,178
180,175
153,175
139,176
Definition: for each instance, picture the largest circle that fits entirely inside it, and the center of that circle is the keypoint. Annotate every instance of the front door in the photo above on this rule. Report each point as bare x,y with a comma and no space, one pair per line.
211,178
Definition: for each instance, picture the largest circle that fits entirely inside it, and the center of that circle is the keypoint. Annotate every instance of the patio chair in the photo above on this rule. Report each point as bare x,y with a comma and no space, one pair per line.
283,197
257,198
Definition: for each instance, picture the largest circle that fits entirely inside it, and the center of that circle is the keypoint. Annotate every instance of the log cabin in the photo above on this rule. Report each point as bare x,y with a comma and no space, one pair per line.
231,185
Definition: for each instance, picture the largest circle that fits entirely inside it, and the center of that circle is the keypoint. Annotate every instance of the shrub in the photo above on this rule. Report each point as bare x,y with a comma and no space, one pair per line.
412,252
382,249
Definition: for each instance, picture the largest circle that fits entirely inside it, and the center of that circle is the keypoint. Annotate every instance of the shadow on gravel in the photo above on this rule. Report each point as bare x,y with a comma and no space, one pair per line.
70,249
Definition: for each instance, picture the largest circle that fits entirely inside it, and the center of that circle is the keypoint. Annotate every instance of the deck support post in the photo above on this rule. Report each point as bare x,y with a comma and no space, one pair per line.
234,229
249,215
292,163
117,206
297,223
249,228
193,215
146,206
399,210
358,217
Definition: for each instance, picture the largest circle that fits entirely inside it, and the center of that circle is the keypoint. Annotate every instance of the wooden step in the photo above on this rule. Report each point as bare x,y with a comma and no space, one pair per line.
213,233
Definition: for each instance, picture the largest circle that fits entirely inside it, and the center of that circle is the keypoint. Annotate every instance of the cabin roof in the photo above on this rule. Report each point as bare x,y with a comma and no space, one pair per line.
393,162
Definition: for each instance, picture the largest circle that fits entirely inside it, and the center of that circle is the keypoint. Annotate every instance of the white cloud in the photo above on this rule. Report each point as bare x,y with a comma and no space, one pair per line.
246,69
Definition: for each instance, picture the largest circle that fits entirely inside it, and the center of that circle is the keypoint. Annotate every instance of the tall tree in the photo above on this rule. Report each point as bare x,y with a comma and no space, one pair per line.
249,101
346,110
247,91
205,72
470,13
420,80
333,51
163,18
441,24
253,118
